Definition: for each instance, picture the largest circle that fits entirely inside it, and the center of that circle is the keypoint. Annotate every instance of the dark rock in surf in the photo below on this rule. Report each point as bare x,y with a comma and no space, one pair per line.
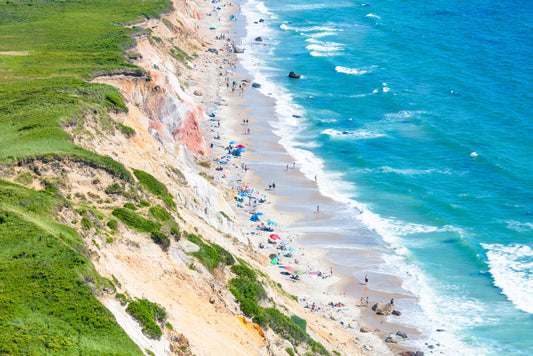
294,75
258,39
256,85
396,312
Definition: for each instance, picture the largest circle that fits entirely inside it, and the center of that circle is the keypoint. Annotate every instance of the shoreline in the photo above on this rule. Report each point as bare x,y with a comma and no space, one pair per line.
283,204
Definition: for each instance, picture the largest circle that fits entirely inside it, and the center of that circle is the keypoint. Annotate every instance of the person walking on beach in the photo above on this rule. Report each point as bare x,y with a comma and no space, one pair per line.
367,302
274,186
366,279
392,301
318,209
362,302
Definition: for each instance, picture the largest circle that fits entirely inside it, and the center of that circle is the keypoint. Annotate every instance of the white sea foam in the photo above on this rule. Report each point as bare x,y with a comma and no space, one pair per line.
519,226
511,267
331,184
355,71
358,134
323,48
373,16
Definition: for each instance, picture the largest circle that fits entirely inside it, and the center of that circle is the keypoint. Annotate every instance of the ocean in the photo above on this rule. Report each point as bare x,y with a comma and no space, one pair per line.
416,118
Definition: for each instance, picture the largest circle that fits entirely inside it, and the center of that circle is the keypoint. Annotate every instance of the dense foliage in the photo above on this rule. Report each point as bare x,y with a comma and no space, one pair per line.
149,315
46,282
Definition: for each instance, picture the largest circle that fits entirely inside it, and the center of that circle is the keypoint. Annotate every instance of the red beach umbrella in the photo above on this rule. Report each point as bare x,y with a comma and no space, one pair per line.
275,237
240,146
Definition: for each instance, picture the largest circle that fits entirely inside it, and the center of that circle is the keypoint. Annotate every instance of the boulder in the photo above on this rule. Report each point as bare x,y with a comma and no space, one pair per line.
394,339
401,334
259,39
294,75
365,330
237,49
296,116
382,308
256,85
419,353
261,20
396,312
440,330
197,93
213,50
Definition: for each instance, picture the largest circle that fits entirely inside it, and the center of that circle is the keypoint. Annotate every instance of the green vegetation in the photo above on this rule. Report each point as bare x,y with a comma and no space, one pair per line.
160,239
210,255
86,223
115,188
289,351
135,221
160,213
47,283
143,204
130,206
154,186
204,164
180,55
25,178
249,291
225,215
299,322
126,130
149,315
112,224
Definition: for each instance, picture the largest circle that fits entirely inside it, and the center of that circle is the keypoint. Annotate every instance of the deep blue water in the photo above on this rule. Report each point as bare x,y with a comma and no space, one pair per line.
419,115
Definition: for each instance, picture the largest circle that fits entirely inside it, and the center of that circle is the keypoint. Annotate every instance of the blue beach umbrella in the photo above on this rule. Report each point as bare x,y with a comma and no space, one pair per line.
232,142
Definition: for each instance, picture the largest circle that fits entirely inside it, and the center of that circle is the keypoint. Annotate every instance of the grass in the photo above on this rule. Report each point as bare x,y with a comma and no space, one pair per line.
135,221
154,186
210,255
47,283
149,315
160,213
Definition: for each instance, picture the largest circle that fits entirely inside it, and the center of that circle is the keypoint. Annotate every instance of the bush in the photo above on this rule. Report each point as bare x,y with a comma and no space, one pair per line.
135,221
174,231
210,255
143,203
299,322
289,351
160,213
161,239
148,314
112,224
126,130
86,223
154,186
114,188
130,206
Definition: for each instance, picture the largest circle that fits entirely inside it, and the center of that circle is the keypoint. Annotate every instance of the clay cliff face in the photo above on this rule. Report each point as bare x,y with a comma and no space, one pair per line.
172,115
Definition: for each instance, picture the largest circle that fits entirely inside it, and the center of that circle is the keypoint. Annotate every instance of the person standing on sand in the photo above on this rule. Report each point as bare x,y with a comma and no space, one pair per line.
392,301
362,302
367,302
366,279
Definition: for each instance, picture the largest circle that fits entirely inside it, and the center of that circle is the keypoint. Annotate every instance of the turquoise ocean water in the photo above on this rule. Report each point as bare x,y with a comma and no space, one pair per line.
417,117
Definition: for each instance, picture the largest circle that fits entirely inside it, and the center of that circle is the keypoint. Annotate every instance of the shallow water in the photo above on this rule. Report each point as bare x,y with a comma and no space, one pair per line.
416,119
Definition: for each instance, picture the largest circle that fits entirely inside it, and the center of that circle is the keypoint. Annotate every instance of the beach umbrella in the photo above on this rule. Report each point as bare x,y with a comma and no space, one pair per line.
284,243
240,150
232,142
240,146
275,237
291,249
254,217
274,261
271,222
258,214
226,157
289,268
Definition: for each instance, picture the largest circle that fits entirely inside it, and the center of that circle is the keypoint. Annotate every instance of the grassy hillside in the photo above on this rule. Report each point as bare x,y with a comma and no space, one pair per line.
48,49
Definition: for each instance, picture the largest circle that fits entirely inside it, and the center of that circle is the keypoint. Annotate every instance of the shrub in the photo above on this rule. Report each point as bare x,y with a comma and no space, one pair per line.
126,130
289,351
160,213
210,255
114,188
130,206
148,314
135,221
174,231
86,223
143,203
161,239
154,186
113,224
299,322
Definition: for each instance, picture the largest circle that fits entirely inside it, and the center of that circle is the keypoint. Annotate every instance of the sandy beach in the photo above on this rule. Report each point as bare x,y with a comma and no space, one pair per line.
240,114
